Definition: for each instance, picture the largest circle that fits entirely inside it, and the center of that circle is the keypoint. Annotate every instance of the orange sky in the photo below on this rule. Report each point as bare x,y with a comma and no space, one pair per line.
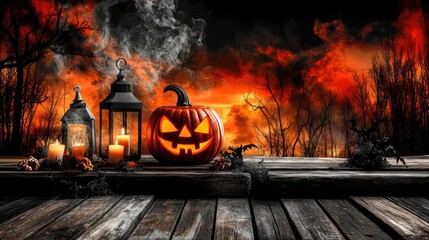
220,79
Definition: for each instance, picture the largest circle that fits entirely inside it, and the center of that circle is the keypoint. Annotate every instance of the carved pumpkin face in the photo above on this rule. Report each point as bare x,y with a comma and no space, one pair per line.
184,134
183,141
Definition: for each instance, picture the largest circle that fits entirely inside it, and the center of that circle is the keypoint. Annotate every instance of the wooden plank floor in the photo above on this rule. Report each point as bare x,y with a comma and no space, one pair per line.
149,217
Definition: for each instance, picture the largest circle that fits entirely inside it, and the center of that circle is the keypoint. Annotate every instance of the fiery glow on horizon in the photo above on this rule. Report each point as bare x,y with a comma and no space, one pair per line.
211,82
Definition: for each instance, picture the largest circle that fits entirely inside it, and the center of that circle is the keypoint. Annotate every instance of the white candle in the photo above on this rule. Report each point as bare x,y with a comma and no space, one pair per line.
116,153
55,152
125,141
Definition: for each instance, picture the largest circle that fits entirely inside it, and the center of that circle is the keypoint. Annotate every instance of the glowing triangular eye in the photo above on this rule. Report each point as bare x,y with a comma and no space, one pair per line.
203,127
167,126
185,132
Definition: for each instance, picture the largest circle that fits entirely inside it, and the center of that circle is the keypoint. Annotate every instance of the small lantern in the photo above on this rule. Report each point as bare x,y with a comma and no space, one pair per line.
124,114
78,129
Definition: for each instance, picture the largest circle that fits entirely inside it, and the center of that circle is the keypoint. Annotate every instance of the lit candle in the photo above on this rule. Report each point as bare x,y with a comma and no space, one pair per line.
125,141
116,153
55,152
78,151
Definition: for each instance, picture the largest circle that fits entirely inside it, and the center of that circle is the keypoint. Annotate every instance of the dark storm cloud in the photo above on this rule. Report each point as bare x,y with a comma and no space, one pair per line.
231,23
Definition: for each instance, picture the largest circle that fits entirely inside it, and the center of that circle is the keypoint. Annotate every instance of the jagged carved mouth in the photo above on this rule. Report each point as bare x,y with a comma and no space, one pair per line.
189,149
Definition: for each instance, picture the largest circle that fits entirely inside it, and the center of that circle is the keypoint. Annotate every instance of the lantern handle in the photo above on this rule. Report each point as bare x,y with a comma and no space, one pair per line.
78,97
125,64
182,95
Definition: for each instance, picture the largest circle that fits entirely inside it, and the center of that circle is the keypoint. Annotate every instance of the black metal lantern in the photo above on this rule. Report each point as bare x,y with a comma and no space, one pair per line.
124,114
78,129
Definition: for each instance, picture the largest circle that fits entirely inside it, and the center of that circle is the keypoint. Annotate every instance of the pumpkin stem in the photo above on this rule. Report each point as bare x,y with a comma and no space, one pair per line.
182,95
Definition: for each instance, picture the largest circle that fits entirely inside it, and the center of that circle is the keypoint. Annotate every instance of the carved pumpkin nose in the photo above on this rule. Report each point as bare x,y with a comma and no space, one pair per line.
185,132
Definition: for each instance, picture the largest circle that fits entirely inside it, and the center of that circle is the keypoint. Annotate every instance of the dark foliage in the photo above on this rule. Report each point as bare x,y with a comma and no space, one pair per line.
75,189
233,160
371,154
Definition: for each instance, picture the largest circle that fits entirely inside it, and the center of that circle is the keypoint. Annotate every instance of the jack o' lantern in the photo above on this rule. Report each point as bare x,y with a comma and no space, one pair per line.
184,133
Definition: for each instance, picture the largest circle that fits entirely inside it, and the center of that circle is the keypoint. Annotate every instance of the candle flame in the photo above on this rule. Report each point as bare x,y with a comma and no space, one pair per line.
116,141
123,131
56,142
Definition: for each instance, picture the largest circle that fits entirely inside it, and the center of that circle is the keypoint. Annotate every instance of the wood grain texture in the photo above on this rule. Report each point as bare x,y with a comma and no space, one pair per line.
310,220
121,220
401,221
160,220
9,209
233,219
196,220
174,183
352,222
326,183
81,218
417,205
30,222
270,220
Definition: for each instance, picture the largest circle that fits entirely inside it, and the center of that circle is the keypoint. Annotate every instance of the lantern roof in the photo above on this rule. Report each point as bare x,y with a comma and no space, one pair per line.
121,96
78,112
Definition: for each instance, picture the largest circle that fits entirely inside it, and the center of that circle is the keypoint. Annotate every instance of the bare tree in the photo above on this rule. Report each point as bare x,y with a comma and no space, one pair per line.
401,85
347,115
35,93
362,99
49,128
272,139
7,77
27,37
316,114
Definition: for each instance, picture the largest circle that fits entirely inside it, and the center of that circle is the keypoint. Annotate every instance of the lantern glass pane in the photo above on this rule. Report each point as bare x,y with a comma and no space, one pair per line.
128,121
77,139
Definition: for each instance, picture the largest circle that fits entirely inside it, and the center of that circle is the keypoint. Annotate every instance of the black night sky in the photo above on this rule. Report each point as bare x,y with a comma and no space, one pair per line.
231,22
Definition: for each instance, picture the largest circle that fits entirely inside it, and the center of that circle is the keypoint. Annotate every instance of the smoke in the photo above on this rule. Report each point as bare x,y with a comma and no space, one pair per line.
153,30
239,125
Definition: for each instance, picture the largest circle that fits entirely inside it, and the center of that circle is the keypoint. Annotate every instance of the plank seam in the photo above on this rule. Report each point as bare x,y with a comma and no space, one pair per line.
252,214
275,221
54,219
140,216
291,222
411,211
214,220
384,226
178,219
332,219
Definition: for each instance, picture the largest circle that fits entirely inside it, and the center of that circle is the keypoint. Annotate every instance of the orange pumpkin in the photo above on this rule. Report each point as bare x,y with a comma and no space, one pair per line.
184,133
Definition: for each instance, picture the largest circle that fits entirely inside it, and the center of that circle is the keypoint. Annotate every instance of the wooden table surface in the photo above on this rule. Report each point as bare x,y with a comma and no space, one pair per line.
287,177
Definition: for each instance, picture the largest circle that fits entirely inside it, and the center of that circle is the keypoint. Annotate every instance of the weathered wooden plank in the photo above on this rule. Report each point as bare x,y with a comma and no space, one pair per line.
325,183
30,222
72,224
196,220
270,220
9,209
272,163
353,223
233,219
417,205
121,220
308,163
184,184
160,220
310,220
198,183
401,221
